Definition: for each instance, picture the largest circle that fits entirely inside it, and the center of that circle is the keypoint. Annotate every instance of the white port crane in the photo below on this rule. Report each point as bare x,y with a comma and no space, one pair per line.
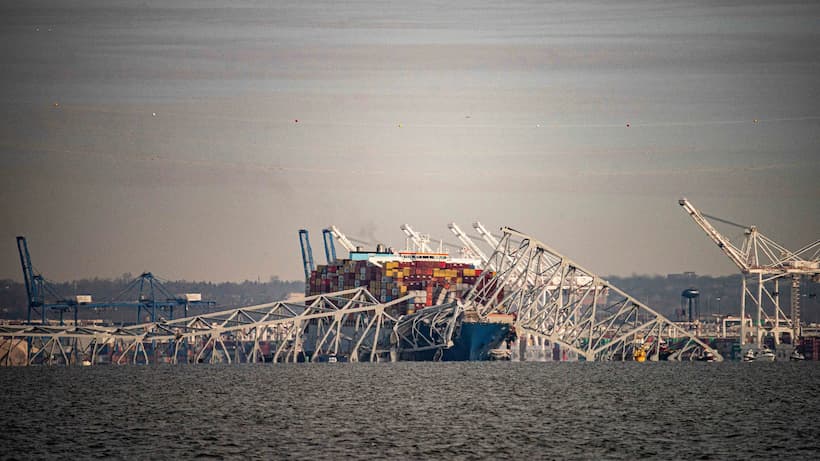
488,237
763,261
472,250
421,242
342,238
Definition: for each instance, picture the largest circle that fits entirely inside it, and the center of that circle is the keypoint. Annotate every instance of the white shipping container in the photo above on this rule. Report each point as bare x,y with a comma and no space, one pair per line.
83,299
192,297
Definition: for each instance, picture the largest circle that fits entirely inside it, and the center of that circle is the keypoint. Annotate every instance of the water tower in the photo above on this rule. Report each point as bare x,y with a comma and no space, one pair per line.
690,301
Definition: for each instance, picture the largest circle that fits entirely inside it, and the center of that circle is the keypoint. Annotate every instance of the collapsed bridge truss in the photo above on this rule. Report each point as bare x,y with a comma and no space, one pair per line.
554,298
549,296
346,325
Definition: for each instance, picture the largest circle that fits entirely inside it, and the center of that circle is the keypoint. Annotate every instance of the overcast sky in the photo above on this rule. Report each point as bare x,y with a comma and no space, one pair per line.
137,136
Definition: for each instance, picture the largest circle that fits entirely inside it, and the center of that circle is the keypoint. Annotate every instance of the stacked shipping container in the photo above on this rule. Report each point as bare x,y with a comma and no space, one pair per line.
811,347
429,282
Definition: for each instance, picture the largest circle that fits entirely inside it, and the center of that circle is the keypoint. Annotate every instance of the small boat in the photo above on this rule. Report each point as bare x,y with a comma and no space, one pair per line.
765,355
328,358
796,355
707,356
760,355
500,354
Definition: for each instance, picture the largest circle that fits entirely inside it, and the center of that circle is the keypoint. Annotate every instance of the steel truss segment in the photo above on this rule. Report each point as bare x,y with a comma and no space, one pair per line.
555,298
351,324
428,329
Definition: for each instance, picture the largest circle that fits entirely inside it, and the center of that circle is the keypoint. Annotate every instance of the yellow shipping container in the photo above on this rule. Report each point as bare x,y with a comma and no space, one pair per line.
469,272
403,289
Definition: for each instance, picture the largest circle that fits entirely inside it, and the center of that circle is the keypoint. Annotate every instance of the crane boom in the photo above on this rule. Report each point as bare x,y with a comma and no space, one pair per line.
418,240
342,238
734,254
488,237
25,263
330,248
33,281
307,252
468,243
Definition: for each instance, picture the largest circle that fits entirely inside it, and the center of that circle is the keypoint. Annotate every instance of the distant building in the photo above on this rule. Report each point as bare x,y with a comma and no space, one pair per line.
681,276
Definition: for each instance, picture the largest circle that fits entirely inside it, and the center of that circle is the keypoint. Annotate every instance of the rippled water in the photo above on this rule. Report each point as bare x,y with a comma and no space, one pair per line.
414,410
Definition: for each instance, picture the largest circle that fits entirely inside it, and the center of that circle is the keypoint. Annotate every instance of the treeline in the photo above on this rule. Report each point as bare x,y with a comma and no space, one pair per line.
664,293
226,295
718,295
658,292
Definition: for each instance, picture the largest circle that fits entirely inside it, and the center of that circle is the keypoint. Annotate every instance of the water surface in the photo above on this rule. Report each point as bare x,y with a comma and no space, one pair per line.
414,410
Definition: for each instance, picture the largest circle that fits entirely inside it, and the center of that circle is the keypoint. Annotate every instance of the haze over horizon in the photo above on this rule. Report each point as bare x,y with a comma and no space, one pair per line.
193,140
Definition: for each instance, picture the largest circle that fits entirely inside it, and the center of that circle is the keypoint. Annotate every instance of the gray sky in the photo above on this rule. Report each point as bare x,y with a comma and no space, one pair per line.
421,112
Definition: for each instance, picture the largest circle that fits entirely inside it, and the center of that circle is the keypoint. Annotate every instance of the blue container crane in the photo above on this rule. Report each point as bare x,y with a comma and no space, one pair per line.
33,282
151,295
307,253
36,289
330,247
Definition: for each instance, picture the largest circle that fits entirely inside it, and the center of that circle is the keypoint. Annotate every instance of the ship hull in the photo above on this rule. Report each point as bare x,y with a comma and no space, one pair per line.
473,342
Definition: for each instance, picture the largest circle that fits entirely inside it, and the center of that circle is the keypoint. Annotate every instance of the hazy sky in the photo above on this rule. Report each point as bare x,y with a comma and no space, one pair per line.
137,136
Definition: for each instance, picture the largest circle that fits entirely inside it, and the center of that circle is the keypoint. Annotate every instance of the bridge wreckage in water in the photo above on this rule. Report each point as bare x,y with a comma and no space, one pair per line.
542,293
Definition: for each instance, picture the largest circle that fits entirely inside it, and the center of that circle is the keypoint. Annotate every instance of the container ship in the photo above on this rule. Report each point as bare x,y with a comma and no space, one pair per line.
430,279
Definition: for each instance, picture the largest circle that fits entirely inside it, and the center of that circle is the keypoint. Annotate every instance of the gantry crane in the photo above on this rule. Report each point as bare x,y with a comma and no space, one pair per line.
150,297
146,293
330,248
421,242
37,289
486,235
307,253
762,260
472,250
342,238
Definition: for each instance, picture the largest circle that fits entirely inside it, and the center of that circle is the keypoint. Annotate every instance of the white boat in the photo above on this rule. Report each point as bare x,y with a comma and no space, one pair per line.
500,354
765,355
796,355
761,355
707,356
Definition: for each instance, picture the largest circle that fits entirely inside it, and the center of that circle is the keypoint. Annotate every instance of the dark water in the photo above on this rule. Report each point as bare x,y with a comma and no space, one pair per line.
414,410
